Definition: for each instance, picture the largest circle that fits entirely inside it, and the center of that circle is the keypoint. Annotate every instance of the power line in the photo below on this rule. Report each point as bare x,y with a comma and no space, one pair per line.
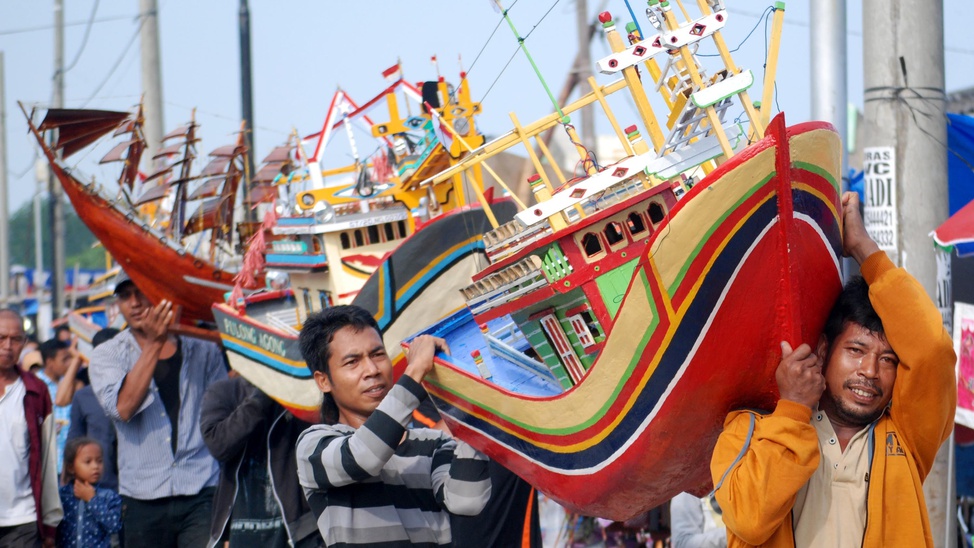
9,32
125,51
84,39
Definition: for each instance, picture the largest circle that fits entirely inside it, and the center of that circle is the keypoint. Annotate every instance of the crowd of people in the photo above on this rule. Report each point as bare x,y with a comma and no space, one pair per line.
154,444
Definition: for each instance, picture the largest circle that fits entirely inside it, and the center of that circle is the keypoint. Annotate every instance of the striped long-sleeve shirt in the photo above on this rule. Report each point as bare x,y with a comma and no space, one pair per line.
367,488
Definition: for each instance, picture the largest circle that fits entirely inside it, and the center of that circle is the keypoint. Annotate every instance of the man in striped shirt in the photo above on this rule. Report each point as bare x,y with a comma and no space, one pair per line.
370,480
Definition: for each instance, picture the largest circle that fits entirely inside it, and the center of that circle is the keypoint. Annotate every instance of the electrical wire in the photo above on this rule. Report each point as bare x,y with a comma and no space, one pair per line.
501,73
540,20
73,24
764,16
125,51
84,39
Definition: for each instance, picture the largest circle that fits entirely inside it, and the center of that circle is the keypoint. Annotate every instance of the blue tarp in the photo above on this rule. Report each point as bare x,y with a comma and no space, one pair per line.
960,166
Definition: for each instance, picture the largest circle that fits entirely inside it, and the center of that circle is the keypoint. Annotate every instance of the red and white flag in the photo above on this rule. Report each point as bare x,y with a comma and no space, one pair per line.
393,73
440,128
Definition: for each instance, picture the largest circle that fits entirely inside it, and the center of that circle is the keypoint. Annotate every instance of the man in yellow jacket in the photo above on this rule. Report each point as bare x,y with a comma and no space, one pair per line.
841,460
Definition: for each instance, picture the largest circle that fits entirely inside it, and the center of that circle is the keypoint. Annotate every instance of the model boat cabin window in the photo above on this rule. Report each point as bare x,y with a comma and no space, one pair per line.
656,213
613,235
635,223
592,244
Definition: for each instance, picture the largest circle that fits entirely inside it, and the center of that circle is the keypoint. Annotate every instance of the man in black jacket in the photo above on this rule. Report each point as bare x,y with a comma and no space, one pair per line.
258,501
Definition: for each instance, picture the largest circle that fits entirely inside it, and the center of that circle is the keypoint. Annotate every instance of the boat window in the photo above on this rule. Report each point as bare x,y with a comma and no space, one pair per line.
390,235
402,229
656,213
307,301
591,244
635,223
346,243
358,238
613,234
325,299
316,244
374,235
582,331
592,323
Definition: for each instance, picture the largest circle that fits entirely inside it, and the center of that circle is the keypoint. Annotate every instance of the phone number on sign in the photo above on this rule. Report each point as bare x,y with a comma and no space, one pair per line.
884,237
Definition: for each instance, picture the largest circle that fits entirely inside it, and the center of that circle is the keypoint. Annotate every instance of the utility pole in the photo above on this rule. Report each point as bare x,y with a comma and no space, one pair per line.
246,103
4,206
905,136
152,111
830,95
56,204
829,88
583,66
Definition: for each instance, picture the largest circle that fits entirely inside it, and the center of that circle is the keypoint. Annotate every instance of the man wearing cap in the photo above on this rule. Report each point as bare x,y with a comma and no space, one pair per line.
151,383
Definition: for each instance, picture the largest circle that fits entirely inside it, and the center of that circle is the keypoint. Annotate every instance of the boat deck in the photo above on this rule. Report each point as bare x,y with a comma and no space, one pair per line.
504,362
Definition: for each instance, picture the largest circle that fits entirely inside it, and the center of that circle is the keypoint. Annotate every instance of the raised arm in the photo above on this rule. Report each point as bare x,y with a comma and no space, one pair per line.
461,478
231,410
925,394
154,336
332,456
761,462
105,509
68,383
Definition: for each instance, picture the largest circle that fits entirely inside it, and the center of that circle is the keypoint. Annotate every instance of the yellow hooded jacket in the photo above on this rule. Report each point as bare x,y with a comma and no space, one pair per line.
764,460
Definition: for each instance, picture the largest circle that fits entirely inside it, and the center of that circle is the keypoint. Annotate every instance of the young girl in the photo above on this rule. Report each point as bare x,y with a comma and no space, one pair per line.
91,514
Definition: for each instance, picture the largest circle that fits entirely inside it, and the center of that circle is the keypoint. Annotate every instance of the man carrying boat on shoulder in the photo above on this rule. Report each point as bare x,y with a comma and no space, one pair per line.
369,480
842,459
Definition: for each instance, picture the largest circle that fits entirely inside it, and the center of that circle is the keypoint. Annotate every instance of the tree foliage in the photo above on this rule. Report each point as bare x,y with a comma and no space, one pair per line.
79,242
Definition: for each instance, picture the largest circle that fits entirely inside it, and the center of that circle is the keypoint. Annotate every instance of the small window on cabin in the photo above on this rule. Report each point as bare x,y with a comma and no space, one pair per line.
613,234
402,228
307,301
374,235
325,299
656,213
316,244
358,238
591,244
592,323
390,234
635,223
346,243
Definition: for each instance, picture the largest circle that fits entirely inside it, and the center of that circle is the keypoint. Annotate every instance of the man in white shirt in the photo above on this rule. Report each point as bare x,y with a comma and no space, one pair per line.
30,507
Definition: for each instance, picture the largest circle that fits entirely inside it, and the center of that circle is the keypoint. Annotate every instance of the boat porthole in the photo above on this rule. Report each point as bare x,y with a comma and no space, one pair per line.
198,263
217,274
567,283
181,252
162,240
623,254
145,227
597,268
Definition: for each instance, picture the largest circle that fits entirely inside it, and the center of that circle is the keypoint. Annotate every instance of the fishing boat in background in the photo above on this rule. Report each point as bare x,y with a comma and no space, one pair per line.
375,238
99,311
176,217
628,311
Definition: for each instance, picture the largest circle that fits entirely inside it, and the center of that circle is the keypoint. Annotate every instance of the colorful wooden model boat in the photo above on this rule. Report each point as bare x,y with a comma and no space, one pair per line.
358,242
624,315
199,248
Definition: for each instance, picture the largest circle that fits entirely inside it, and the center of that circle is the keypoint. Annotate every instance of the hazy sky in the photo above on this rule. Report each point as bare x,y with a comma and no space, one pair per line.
303,50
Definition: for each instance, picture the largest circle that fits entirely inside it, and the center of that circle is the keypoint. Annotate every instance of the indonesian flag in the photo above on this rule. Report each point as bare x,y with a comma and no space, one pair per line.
440,129
393,73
